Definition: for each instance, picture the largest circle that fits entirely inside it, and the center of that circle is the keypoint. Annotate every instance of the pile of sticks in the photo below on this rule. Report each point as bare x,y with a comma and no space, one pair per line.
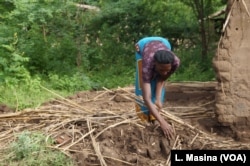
66,114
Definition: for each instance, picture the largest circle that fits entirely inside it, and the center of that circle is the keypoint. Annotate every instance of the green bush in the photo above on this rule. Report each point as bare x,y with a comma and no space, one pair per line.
192,68
70,83
113,77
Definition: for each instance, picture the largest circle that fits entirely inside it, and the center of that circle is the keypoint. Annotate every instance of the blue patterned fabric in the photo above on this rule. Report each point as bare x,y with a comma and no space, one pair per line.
138,90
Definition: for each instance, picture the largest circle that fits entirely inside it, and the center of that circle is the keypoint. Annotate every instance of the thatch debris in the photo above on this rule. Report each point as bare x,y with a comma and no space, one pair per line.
72,123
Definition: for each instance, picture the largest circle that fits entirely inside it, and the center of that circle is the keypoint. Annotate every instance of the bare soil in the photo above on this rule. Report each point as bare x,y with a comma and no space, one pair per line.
102,128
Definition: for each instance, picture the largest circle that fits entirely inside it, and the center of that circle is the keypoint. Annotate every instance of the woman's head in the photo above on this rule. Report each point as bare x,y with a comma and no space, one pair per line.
163,62
164,57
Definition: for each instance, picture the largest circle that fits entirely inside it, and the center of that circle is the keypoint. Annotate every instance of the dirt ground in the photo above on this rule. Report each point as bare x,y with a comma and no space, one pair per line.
102,128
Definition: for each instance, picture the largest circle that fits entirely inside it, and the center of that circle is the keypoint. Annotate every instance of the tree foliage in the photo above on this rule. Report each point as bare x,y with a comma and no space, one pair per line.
171,19
59,38
202,9
12,63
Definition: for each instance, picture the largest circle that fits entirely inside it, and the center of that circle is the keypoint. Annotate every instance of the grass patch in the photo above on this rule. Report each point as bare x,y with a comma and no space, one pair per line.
31,149
26,95
30,94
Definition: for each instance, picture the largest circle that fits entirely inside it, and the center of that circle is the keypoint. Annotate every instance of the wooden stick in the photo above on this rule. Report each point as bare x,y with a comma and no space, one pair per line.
175,142
191,143
85,135
200,106
111,126
244,3
227,19
70,101
178,120
100,95
96,146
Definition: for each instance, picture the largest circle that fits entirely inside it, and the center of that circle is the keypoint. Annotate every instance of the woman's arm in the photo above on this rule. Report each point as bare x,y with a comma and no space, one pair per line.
146,87
159,86
166,128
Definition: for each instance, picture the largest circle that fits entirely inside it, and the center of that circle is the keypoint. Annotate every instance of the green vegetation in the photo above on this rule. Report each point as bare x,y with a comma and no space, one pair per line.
68,48
32,149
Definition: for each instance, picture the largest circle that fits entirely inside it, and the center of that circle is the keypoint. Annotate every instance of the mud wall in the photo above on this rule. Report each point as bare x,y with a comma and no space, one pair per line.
232,65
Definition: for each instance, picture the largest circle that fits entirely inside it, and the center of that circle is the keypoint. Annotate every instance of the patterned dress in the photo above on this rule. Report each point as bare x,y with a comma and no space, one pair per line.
145,70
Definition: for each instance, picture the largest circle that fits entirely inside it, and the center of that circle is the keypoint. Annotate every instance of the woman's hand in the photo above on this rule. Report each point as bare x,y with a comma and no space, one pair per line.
167,129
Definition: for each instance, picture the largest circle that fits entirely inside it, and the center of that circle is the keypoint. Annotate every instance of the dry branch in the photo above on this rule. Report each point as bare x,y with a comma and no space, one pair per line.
55,120
89,7
95,145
